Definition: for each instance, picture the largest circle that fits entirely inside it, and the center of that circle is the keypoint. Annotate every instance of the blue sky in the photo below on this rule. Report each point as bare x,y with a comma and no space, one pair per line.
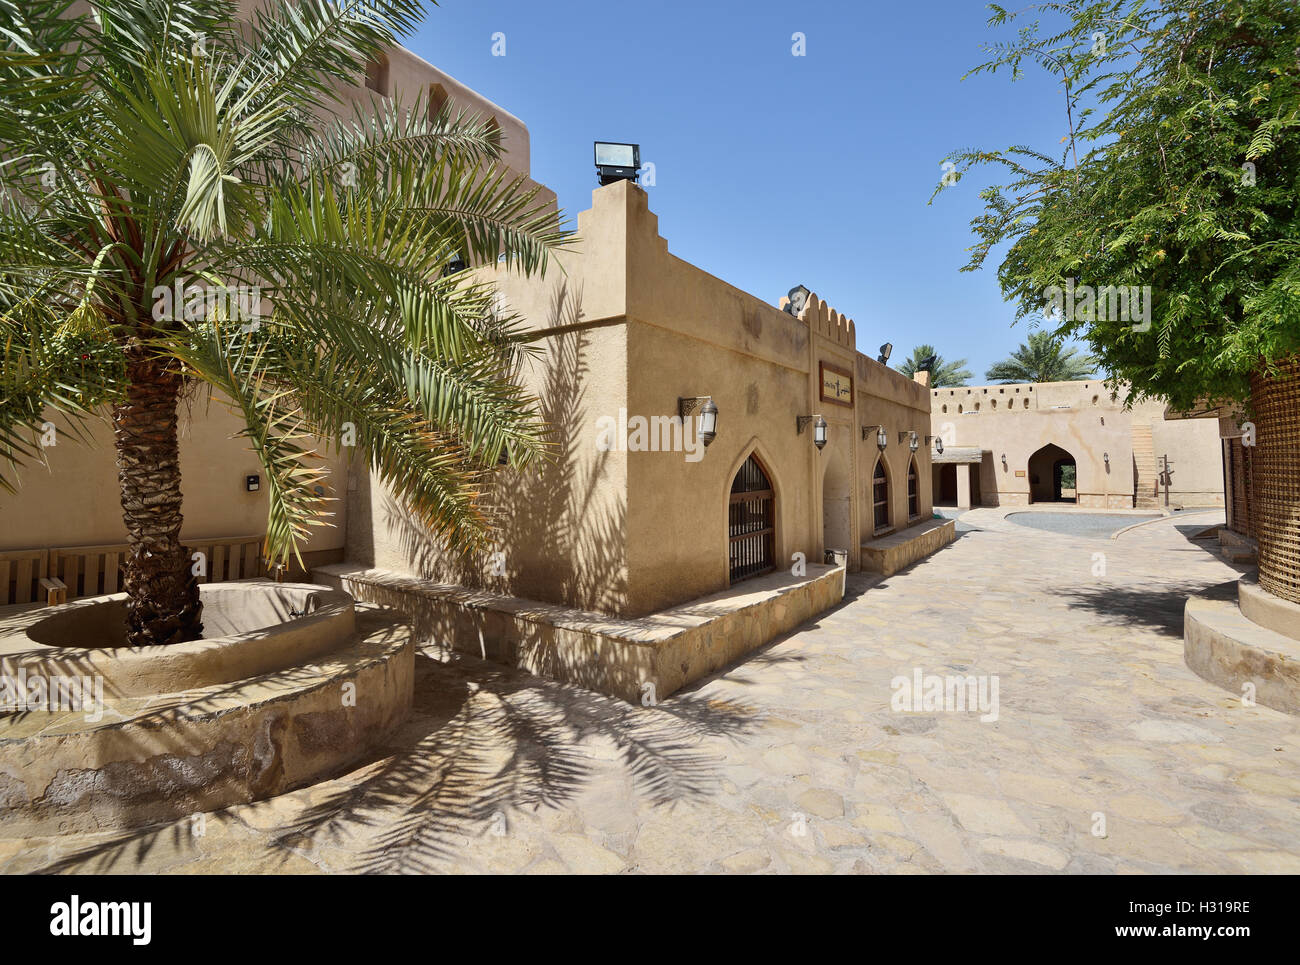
774,170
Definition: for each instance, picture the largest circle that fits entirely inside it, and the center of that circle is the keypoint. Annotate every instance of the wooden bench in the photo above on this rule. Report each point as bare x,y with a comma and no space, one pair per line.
67,572
21,572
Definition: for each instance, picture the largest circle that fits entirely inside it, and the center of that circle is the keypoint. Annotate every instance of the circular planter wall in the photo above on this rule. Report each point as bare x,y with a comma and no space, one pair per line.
291,684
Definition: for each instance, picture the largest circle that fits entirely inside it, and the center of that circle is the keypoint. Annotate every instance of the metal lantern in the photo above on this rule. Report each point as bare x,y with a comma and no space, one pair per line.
707,427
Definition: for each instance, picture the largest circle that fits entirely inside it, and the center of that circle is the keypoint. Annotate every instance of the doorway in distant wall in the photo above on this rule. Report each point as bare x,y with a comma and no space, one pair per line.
945,484
837,502
1053,476
751,522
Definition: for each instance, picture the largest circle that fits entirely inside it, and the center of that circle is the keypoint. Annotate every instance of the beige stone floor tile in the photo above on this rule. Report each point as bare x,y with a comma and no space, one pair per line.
1097,713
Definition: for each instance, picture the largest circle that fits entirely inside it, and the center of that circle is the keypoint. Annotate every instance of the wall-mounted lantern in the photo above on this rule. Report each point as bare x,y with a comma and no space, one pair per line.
1004,462
707,426
935,441
1106,458
881,434
914,442
252,482
819,428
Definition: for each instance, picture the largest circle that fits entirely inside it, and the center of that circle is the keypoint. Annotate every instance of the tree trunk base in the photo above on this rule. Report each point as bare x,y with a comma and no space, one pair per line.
163,603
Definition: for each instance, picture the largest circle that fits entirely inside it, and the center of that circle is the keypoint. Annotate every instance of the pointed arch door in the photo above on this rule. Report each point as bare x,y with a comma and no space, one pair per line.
751,522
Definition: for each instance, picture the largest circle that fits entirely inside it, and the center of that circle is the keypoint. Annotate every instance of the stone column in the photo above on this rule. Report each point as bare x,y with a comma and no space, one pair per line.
963,485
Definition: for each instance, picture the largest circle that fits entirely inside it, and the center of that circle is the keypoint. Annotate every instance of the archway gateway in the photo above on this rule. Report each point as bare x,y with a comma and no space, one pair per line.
751,522
1053,476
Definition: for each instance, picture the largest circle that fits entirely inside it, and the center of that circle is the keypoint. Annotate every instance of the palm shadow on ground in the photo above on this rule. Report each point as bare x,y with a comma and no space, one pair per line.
483,742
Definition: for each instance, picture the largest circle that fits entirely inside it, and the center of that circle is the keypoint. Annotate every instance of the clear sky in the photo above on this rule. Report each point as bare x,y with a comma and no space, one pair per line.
774,170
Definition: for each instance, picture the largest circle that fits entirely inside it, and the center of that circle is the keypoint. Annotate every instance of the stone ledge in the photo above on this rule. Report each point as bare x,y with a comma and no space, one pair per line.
156,759
889,554
1226,648
611,655
1260,606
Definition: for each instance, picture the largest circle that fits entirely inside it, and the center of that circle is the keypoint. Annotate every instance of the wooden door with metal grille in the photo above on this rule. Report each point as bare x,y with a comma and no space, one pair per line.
751,522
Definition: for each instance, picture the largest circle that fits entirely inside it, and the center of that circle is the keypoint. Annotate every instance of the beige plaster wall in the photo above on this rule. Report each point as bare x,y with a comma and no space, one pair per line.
1195,454
1089,421
410,75
74,499
630,329
563,522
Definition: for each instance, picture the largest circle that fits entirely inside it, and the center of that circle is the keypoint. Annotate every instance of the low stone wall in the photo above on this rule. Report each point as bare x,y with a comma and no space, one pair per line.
1105,501
141,760
889,554
1223,643
635,659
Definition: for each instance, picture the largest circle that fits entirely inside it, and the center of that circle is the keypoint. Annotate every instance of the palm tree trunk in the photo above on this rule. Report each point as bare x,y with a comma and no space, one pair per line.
1275,466
162,594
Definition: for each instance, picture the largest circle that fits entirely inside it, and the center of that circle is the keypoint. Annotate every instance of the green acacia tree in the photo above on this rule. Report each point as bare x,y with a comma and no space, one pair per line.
1178,180
152,148
1043,359
1179,172
942,372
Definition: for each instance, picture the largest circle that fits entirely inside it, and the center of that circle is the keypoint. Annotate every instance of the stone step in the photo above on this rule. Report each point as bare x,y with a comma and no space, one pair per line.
1226,648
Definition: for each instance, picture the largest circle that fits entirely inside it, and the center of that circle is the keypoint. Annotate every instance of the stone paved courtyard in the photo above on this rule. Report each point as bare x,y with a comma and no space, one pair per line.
793,761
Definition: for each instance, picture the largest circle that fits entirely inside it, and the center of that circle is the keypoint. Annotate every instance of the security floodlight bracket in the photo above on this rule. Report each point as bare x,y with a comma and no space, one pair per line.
608,173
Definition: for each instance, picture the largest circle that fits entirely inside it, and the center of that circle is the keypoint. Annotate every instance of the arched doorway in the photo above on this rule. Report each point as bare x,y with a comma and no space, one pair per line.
1053,476
880,497
751,522
837,503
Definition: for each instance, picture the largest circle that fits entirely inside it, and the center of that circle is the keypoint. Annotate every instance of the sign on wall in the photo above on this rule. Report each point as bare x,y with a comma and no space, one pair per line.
837,384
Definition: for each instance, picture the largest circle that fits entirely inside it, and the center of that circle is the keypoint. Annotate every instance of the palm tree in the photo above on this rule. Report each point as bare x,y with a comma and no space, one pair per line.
1044,359
942,372
154,148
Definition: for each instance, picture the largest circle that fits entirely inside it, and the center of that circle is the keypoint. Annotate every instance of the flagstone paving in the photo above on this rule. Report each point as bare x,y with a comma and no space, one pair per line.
1107,754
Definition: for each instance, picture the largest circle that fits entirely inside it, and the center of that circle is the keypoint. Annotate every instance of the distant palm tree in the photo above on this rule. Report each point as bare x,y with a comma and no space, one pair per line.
941,373
161,159
1044,359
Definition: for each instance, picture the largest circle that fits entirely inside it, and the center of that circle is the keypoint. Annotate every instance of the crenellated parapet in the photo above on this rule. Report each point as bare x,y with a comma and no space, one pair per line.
828,323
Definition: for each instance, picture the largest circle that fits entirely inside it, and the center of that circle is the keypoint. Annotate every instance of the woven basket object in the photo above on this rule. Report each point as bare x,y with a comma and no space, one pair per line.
1275,467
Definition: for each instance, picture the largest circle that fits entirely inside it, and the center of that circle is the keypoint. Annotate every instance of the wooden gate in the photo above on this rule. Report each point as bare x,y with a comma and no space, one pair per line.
751,522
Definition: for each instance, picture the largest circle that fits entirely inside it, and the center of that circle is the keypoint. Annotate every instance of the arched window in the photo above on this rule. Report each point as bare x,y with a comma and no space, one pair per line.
880,497
913,498
751,522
